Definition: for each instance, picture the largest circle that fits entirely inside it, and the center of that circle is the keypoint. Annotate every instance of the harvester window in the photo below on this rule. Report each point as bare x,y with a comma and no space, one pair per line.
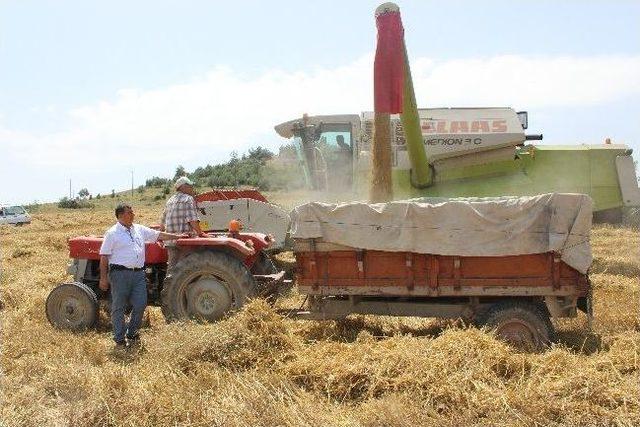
336,140
336,149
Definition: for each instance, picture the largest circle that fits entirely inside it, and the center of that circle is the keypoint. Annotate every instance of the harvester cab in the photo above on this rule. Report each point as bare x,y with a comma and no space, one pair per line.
325,146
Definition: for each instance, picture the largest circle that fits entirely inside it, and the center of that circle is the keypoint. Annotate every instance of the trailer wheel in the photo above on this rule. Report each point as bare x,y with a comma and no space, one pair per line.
523,325
206,286
72,306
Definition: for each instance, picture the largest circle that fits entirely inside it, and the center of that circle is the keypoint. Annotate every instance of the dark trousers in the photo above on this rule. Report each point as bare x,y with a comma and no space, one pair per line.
127,288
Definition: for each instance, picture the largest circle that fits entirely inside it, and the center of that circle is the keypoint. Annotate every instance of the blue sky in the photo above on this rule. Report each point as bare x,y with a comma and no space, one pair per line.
92,90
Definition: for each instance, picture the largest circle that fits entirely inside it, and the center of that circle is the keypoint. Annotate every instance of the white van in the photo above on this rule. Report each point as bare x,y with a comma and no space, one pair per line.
16,215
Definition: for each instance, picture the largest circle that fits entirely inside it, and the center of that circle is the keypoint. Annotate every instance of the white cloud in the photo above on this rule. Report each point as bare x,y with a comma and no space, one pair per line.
219,112
214,114
529,82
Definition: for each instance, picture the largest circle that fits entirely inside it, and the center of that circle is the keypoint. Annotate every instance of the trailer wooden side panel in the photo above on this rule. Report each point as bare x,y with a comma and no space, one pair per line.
361,272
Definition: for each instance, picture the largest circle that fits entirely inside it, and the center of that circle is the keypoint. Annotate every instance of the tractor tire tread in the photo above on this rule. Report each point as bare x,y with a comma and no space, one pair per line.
238,278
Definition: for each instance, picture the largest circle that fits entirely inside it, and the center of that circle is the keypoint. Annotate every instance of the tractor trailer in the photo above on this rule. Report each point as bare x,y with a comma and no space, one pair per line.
510,263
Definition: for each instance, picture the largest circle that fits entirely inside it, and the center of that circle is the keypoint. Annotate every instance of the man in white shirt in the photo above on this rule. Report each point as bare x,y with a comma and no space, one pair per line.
122,256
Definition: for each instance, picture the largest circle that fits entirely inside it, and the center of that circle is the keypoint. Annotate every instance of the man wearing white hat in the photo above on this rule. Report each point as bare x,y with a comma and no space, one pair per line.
180,215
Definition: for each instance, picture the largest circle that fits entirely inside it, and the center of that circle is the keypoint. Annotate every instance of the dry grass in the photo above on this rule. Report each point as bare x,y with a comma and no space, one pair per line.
258,368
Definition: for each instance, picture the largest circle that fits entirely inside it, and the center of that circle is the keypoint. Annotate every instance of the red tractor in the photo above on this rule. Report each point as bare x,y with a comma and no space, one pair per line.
214,276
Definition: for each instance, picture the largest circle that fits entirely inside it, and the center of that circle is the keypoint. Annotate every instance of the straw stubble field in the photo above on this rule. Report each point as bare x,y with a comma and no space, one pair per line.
259,368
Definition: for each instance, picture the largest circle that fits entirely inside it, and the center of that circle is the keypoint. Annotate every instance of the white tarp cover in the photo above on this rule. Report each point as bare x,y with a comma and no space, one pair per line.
466,227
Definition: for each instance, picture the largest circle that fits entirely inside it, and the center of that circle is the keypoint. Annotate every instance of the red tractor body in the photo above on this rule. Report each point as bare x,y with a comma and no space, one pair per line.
226,269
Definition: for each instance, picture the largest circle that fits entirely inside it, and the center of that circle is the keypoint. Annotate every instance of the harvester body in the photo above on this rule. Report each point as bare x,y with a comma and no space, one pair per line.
472,152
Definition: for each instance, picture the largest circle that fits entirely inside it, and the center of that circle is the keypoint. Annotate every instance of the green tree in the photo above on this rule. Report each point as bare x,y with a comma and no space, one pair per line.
156,181
83,193
179,172
260,154
67,203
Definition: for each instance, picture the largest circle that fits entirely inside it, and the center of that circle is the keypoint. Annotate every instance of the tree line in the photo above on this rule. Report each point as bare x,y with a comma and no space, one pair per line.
255,168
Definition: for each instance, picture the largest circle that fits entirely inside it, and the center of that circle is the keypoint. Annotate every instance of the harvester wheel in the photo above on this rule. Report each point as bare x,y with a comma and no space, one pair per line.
72,306
206,286
608,216
523,325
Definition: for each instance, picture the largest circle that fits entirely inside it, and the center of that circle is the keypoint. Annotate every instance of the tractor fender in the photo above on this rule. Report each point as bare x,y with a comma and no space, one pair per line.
235,246
260,241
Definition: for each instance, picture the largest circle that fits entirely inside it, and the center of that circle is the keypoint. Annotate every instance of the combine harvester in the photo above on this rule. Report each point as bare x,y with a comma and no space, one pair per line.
460,152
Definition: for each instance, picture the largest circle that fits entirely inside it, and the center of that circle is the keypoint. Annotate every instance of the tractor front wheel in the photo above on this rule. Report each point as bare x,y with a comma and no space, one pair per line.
72,306
206,286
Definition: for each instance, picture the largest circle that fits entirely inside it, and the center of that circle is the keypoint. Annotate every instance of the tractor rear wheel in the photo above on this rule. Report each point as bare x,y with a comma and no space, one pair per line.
206,286
523,325
72,306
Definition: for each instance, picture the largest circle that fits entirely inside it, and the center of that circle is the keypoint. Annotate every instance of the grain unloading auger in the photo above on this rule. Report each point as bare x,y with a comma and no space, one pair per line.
454,152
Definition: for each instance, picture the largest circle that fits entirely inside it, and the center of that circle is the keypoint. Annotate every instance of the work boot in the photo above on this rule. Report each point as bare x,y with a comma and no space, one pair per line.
120,348
134,343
